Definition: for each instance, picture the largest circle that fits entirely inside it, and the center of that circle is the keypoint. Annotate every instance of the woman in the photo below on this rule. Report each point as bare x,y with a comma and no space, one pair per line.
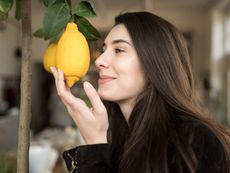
149,120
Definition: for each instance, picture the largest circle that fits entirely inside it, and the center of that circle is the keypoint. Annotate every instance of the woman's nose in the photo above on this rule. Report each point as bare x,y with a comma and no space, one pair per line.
101,62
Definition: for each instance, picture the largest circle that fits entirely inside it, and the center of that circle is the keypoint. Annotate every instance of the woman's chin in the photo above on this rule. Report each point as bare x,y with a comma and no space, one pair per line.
105,96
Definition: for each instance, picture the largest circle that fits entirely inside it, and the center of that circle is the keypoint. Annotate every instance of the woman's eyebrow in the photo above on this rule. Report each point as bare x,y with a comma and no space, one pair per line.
118,41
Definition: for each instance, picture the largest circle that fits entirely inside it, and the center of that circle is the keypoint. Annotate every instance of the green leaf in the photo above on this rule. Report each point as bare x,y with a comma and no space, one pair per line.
48,3
18,11
39,33
86,28
6,5
56,38
84,9
3,16
55,20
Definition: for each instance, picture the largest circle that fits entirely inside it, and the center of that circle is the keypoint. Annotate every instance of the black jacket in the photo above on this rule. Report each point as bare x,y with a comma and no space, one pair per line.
95,158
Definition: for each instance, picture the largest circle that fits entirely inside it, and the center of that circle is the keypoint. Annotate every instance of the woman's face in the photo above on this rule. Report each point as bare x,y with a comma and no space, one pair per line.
121,77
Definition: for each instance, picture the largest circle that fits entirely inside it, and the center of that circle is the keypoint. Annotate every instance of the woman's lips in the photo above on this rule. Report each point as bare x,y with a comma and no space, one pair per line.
105,79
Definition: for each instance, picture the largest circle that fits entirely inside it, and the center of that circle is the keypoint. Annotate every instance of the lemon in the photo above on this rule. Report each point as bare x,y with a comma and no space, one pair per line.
73,55
49,57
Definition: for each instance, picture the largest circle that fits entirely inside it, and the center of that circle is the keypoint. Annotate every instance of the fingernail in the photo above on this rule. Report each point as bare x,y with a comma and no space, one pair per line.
59,70
51,69
87,85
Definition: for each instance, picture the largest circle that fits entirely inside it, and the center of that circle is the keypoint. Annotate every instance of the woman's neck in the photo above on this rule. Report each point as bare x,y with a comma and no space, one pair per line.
126,108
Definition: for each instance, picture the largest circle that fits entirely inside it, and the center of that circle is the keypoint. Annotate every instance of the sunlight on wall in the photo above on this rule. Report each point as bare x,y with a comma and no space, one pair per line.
228,96
227,34
220,33
217,36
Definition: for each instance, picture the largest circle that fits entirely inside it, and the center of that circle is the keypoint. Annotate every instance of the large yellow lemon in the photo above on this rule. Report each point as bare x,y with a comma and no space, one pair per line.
72,56
49,57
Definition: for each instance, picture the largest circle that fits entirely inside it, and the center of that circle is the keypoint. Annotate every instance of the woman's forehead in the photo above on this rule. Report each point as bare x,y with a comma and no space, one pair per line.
118,32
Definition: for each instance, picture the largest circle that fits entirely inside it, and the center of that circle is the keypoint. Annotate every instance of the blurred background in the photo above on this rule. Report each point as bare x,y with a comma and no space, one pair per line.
206,27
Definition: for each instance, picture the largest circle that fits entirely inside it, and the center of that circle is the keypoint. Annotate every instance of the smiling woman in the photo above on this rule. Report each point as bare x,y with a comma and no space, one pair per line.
145,116
121,76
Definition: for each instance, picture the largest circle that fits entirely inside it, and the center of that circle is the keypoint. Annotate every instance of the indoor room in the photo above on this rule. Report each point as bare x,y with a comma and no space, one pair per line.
205,25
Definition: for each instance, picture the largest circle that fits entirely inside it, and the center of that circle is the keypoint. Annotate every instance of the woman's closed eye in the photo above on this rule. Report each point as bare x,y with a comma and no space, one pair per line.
119,50
116,50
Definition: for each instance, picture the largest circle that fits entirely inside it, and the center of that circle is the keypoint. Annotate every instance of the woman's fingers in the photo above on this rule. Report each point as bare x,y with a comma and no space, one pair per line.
92,127
98,106
54,72
76,104
64,92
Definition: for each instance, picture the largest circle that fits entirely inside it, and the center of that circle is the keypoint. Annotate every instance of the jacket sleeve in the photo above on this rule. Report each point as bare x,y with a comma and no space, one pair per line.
88,159
209,152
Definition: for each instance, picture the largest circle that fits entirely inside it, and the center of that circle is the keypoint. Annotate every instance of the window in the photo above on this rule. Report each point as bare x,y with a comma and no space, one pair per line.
227,34
217,35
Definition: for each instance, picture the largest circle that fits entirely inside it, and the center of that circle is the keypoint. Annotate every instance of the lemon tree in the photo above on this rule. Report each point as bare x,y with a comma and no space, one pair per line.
60,12
6,6
68,23
57,14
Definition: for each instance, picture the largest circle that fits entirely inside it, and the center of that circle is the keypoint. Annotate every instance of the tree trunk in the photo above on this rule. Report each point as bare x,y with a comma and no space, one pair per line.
25,103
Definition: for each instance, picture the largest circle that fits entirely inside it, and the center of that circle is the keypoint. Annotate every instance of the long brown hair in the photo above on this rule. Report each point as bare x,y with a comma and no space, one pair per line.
151,138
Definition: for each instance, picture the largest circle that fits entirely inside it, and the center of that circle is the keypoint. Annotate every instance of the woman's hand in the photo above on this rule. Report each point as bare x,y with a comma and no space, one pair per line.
92,122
